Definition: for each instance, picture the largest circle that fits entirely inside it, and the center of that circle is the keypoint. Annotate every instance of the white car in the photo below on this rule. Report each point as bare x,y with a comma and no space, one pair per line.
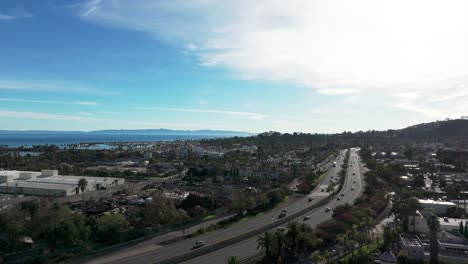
198,244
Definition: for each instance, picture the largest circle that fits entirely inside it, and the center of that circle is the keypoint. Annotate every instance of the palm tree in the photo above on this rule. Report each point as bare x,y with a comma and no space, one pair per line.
413,205
82,184
370,223
341,240
304,228
233,260
265,242
279,239
434,227
292,233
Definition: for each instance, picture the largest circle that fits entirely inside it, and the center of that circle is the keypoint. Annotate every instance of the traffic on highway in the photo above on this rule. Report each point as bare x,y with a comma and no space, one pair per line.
198,249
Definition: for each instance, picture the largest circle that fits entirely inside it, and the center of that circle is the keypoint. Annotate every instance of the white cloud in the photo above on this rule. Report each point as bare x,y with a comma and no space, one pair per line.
108,122
51,86
249,115
85,113
47,102
15,14
330,91
414,48
256,116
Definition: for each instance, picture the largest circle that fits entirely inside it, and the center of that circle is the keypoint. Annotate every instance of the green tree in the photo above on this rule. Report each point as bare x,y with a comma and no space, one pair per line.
434,227
315,256
280,239
233,260
30,207
67,233
292,231
265,242
465,232
82,184
402,257
110,227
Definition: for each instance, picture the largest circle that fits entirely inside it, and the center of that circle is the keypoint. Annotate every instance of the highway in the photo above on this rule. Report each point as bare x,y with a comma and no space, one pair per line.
249,247
168,252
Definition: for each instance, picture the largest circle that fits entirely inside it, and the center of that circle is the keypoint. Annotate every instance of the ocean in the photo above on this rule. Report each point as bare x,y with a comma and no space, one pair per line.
17,140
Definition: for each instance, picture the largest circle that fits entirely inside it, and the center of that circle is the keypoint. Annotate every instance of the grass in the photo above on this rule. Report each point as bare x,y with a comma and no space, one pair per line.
208,217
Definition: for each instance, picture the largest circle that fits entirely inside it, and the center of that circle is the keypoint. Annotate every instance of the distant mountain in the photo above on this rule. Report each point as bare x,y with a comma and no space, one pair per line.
162,131
452,128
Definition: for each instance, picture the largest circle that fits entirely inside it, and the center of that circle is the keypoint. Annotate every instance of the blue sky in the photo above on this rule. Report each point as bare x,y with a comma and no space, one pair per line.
310,66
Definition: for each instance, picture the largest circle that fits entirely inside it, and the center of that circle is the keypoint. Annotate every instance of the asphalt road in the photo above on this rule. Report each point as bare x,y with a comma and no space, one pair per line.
185,246
249,247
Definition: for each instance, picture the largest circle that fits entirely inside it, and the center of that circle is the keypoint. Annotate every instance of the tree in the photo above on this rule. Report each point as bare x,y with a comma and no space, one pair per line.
30,207
413,205
370,223
82,184
434,227
233,260
265,242
465,232
341,239
279,238
66,234
402,257
292,233
110,227
315,256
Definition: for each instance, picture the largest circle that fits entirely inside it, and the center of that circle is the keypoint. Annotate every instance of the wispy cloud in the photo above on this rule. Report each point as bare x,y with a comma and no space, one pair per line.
337,47
52,86
85,113
106,122
338,91
15,14
47,102
249,115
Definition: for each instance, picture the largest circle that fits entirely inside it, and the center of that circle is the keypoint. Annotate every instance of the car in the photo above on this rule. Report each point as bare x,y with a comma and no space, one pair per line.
322,190
352,188
282,214
327,209
281,229
284,210
198,244
338,199
354,181
306,218
354,173
342,194
310,199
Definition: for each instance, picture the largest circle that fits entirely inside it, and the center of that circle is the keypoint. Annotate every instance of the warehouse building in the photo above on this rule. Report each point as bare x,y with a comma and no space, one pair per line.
50,183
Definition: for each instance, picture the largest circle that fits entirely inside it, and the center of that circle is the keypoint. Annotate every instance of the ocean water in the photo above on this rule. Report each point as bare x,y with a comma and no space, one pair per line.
17,140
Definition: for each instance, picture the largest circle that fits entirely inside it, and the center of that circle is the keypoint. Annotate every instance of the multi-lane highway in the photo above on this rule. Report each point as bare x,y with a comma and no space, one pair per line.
317,216
169,252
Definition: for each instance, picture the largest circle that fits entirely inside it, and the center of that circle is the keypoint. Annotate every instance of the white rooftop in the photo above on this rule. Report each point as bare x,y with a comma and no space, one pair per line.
429,201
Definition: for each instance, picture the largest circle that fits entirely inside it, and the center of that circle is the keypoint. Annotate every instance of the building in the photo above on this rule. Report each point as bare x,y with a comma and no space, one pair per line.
50,183
413,245
419,224
440,207
388,258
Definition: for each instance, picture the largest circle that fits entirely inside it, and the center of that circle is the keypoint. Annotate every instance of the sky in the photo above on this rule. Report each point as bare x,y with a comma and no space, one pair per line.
315,66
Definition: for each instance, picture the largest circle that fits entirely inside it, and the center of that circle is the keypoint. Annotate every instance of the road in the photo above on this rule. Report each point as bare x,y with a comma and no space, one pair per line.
249,247
168,252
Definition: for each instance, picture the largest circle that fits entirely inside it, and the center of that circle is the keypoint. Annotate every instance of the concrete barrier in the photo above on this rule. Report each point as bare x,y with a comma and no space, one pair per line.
230,241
